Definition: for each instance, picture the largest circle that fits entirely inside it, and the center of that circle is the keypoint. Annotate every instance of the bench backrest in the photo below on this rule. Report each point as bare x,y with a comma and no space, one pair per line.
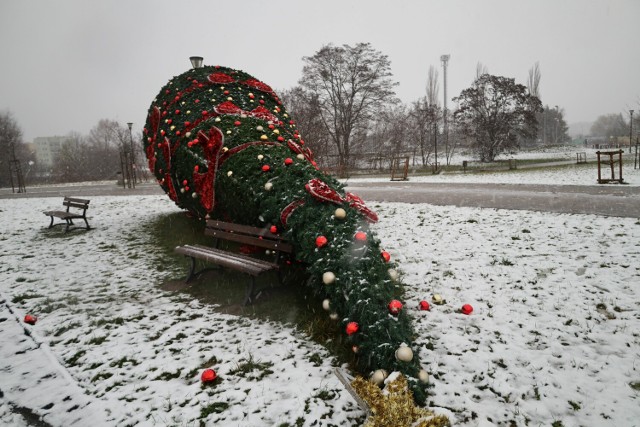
72,202
247,234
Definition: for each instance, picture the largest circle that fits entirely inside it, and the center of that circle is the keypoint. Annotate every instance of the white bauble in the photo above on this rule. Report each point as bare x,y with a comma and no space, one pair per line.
393,274
404,354
340,213
328,278
300,156
333,316
260,157
326,304
378,377
423,376
229,173
268,186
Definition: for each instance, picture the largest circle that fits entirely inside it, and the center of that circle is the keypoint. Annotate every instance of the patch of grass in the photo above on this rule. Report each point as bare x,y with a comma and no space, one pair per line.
23,297
325,395
166,376
315,359
635,385
66,328
557,424
246,369
97,340
575,406
73,360
213,408
506,262
101,376
123,361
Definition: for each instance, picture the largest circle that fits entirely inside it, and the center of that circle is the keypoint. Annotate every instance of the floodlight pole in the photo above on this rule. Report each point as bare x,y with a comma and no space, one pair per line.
445,62
630,129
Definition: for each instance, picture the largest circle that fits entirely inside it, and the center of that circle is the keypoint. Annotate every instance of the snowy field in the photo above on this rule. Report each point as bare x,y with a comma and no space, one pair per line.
554,338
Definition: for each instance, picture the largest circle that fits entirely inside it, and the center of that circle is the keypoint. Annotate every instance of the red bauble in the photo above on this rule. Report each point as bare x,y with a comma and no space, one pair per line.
237,123
31,320
424,306
273,229
386,256
266,168
208,375
395,306
321,241
466,309
361,236
352,328
288,161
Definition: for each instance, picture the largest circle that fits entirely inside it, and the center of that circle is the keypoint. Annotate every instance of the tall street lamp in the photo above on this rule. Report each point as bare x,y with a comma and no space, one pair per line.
133,156
630,129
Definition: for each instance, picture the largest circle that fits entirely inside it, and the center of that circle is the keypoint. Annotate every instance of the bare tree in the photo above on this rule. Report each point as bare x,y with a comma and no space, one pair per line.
106,140
12,148
481,70
424,116
533,82
353,84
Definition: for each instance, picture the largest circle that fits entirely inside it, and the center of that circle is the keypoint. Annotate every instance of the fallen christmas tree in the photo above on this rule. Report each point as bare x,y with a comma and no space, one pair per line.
222,145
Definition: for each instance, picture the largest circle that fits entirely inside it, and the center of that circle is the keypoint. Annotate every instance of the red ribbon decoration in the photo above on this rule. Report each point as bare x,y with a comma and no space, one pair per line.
322,192
286,212
220,78
358,204
258,85
205,182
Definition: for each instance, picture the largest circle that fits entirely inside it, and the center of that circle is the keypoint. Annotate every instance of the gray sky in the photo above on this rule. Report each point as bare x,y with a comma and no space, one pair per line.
68,63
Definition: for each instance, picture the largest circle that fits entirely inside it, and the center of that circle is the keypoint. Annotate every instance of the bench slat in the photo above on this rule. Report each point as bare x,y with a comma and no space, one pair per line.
247,258
225,259
247,234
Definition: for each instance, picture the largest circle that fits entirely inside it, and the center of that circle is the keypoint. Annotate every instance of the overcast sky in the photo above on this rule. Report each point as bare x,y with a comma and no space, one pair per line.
66,64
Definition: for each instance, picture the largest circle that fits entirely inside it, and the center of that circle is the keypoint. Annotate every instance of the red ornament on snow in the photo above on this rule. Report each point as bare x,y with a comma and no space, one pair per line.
208,375
395,306
352,328
361,236
466,309
424,306
288,161
386,256
31,320
273,229
266,168
321,241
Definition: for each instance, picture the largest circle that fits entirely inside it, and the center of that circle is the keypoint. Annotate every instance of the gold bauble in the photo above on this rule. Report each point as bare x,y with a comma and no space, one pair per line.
423,376
437,299
340,213
378,377
404,354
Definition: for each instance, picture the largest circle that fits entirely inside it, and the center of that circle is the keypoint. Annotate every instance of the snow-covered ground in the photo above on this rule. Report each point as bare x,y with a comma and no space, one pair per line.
554,338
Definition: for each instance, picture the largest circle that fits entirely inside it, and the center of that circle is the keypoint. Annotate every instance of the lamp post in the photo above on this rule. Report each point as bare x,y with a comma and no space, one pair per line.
196,61
630,129
445,62
133,156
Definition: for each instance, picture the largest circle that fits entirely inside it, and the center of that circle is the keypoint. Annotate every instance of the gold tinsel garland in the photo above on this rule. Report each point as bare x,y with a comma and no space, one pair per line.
395,407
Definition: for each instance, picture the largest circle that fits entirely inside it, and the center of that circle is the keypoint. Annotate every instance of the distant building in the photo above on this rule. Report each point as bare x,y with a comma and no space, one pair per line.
46,148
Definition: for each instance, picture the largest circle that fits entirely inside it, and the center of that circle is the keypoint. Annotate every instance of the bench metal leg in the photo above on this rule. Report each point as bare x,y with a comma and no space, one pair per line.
51,225
192,270
87,223
249,294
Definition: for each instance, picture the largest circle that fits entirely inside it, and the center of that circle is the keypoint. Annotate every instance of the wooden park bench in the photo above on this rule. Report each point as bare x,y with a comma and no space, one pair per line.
245,235
80,207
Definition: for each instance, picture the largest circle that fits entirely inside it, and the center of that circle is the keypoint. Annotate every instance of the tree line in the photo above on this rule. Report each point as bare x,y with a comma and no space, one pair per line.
348,112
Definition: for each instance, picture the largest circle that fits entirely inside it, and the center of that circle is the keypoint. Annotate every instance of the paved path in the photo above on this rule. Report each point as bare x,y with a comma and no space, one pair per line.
609,200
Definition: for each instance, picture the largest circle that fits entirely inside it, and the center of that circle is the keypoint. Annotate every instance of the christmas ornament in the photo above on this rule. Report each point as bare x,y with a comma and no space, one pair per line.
273,229
352,328
355,349
300,156
395,306
340,213
31,320
385,256
437,299
334,316
393,274
288,161
321,241
229,173
424,306
423,376
361,236
378,376
394,405
208,376
268,186
266,168
328,277
404,354
326,304
466,309
260,157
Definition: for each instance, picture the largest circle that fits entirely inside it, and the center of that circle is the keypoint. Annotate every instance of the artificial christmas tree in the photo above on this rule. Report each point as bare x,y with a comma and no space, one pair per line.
221,144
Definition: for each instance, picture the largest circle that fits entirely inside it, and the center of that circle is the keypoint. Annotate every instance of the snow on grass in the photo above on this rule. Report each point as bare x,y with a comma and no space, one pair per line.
554,336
